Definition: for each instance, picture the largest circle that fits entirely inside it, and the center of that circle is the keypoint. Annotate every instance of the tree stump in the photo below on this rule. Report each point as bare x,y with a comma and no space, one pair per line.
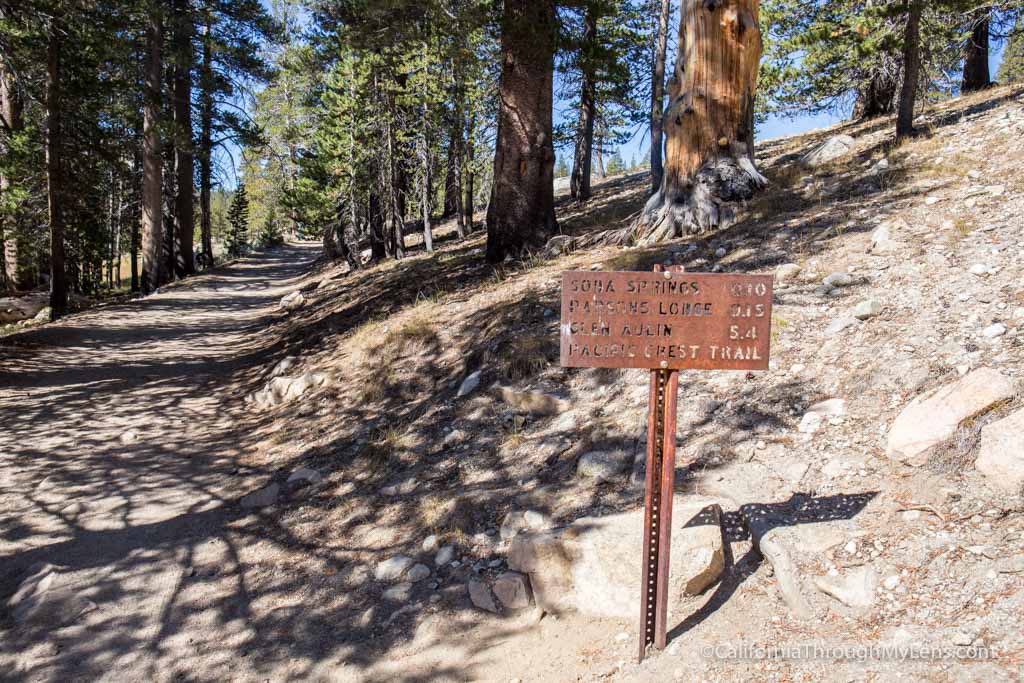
709,123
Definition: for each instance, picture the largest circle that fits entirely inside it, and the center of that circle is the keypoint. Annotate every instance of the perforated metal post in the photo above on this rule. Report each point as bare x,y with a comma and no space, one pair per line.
657,540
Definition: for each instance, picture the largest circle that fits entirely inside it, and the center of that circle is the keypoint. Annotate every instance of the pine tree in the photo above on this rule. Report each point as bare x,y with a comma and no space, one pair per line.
238,221
1012,68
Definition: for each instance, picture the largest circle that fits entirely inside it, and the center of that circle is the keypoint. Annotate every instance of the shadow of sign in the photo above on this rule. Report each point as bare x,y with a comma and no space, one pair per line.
754,521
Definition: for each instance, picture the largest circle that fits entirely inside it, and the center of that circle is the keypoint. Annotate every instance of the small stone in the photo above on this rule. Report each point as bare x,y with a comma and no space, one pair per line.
262,498
867,309
392,568
840,325
787,271
833,407
307,475
932,201
855,589
129,437
417,573
398,593
980,269
293,301
1001,454
469,384
444,555
993,331
891,582
839,279
513,590
429,544
480,595
603,466
851,547
720,252
810,423
996,190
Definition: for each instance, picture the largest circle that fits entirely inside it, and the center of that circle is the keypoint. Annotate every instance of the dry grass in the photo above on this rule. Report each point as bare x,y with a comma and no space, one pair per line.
384,449
523,357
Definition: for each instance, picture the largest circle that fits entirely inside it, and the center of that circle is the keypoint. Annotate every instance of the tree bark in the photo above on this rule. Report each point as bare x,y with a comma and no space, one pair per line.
469,204
153,265
451,178
521,213
911,69
709,148
427,190
54,186
206,143
184,160
579,184
658,96
15,271
375,217
976,71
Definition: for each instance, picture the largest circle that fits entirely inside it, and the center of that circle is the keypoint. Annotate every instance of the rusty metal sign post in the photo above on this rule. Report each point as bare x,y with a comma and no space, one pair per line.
665,321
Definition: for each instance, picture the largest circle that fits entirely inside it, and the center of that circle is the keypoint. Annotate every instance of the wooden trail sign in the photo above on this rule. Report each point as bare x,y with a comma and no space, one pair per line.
665,321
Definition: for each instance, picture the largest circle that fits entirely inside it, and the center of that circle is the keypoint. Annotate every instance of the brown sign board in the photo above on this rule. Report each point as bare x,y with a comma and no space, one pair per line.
666,320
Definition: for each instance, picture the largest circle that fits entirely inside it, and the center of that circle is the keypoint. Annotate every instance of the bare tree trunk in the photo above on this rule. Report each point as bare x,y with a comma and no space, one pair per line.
54,181
522,208
451,179
911,69
976,70
14,271
579,184
184,160
427,188
709,150
117,232
153,265
375,217
658,96
599,158
206,143
469,205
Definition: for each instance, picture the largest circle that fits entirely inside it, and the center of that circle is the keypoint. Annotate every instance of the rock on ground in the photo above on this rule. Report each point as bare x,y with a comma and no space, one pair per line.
445,555
519,520
469,384
603,466
480,595
1001,458
392,568
593,567
280,390
835,147
262,498
856,588
512,590
307,475
293,301
934,418
787,271
43,602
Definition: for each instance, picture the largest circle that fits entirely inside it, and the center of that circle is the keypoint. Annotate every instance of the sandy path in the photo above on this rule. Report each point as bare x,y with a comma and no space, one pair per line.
130,519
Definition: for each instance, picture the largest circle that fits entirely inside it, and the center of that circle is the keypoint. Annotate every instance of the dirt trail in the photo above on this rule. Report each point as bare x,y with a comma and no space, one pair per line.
121,468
